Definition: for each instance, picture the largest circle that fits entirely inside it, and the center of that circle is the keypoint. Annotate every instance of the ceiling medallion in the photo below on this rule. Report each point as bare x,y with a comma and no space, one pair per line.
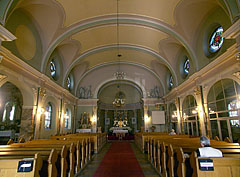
120,75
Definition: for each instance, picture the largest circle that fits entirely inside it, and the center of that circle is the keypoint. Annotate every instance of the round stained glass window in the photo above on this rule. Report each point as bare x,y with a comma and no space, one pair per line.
186,67
53,69
216,40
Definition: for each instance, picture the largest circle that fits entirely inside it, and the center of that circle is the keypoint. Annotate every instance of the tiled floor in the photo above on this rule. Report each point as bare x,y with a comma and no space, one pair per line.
90,169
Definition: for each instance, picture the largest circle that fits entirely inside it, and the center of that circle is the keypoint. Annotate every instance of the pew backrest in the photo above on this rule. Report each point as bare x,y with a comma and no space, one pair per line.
222,167
12,167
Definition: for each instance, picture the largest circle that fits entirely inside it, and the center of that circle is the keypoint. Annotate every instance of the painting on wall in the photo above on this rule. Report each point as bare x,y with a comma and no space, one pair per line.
134,120
107,121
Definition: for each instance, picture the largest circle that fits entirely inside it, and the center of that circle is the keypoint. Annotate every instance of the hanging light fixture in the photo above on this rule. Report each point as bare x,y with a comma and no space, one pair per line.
119,100
119,74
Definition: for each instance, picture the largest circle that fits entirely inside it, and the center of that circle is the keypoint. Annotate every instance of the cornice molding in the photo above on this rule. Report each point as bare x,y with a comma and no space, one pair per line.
233,31
37,78
2,77
87,102
224,60
152,101
5,35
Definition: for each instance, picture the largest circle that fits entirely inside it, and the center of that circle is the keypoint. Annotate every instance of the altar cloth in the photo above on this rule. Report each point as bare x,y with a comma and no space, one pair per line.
120,131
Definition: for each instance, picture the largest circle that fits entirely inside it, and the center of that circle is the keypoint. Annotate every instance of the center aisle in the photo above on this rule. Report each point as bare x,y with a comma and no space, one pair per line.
119,161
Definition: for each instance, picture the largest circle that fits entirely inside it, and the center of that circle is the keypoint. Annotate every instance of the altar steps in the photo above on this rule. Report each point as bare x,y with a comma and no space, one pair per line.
114,137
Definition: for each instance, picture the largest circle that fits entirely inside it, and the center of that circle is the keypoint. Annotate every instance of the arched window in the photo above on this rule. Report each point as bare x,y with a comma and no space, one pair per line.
186,67
190,116
67,119
170,85
48,116
53,69
216,40
173,116
173,112
9,112
11,102
69,83
223,106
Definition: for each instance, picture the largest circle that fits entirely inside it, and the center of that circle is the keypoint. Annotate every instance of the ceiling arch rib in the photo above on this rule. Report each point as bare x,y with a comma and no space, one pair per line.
123,19
110,47
133,84
101,66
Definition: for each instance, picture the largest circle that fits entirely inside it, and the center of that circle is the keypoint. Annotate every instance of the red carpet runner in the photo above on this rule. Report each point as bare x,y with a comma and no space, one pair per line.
119,161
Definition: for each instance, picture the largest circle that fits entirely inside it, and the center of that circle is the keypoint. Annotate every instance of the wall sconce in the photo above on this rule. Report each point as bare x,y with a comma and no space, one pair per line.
146,118
210,110
94,118
174,115
40,111
195,111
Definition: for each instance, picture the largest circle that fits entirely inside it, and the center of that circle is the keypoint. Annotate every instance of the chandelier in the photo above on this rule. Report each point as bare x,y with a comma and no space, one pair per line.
118,102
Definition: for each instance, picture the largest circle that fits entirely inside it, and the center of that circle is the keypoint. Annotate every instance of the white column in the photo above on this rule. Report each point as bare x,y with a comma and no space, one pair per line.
201,113
39,112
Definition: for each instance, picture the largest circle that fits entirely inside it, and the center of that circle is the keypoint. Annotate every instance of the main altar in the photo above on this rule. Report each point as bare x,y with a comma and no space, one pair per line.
120,126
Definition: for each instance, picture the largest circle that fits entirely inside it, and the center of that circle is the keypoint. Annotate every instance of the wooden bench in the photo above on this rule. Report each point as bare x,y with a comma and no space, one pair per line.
223,167
48,157
80,148
161,152
66,152
9,167
97,139
191,144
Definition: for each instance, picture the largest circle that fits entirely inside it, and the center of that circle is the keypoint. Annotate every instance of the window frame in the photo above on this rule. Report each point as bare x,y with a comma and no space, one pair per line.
48,116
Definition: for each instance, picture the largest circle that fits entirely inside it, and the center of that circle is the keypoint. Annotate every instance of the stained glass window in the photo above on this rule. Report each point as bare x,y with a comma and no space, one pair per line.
53,69
69,83
67,119
48,116
216,40
186,66
170,82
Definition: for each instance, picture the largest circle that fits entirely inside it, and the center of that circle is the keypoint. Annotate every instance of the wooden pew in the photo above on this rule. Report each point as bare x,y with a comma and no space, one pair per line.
142,138
191,144
157,153
223,167
80,148
8,167
87,140
49,156
97,139
153,140
66,151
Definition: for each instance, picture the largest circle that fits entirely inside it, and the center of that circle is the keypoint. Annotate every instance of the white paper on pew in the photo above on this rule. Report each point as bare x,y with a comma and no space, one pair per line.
206,164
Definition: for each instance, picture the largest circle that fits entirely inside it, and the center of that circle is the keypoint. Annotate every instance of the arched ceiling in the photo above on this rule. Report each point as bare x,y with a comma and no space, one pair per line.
89,35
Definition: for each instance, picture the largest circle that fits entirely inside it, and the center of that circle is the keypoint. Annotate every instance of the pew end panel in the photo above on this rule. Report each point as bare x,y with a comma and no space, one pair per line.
9,167
223,166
